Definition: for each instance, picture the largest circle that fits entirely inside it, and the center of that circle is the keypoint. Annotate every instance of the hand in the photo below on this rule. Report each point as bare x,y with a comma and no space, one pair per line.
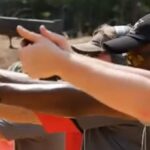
44,57
57,39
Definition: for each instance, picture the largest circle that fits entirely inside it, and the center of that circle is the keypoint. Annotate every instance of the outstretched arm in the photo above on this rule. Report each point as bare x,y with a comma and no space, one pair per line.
65,45
124,91
56,98
127,92
127,69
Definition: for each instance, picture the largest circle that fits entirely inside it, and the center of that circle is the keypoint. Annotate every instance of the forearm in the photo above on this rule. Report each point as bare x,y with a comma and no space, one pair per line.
118,89
13,77
56,98
144,73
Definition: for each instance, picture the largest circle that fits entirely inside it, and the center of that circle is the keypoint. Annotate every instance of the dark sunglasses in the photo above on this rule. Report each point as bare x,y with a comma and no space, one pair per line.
90,54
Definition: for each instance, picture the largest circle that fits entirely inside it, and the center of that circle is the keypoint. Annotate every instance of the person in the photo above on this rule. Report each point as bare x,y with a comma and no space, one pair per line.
48,95
94,48
80,120
107,122
43,58
28,131
24,127
102,131
97,128
20,138
53,140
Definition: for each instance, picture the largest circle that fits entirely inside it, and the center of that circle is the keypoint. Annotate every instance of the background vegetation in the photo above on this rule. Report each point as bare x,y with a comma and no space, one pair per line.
78,15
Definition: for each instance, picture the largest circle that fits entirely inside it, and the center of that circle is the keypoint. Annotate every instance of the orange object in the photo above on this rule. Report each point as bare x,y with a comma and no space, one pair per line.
7,145
53,124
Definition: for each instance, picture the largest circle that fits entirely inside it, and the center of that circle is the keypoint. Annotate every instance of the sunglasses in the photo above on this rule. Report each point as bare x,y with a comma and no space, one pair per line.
90,54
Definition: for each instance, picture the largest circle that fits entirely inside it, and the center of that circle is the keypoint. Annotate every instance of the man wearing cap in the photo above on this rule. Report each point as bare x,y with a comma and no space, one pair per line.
132,84
96,129
102,131
119,100
94,48
107,132
85,123
136,44
113,140
137,37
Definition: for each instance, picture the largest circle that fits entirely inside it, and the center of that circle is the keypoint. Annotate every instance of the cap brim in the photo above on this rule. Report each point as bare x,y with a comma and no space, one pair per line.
122,45
87,47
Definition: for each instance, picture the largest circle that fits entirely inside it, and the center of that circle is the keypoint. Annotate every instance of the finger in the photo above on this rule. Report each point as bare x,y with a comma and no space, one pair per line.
46,33
26,34
54,37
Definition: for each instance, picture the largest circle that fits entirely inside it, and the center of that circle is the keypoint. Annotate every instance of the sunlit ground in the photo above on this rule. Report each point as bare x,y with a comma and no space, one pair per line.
8,56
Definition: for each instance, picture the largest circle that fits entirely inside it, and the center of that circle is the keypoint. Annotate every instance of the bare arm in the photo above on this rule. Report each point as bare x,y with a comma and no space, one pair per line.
121,90
144,73
65,45
125,91
56,98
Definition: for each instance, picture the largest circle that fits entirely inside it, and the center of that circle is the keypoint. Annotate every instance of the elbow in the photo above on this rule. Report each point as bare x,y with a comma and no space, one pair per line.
144,115
142,111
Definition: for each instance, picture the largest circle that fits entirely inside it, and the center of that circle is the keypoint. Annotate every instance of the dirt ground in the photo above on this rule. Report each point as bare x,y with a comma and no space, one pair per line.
9,56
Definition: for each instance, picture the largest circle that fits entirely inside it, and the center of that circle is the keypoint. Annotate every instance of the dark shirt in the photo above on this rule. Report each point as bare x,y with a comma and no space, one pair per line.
105,133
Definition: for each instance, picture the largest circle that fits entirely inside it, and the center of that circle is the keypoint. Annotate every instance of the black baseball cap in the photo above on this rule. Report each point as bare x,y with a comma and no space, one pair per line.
138,35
